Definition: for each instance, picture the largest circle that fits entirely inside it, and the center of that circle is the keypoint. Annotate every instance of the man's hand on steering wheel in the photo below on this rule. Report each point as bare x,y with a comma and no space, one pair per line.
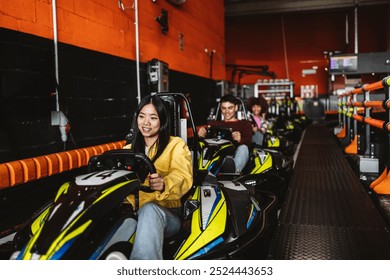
236,136
202,132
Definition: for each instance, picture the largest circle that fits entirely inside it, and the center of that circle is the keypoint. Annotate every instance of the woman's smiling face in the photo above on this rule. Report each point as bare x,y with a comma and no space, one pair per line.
256,109
149,123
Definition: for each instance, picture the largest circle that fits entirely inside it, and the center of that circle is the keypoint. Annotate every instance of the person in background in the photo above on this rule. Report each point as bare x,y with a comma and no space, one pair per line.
241,130
258,107
158,215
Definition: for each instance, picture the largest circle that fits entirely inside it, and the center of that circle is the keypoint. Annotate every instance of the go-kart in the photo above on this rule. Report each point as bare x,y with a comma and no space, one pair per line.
287,128
221,220
284,122
216,155
277,143
274,141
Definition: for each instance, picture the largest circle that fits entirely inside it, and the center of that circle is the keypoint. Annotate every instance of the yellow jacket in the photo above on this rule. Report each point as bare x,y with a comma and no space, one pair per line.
175,165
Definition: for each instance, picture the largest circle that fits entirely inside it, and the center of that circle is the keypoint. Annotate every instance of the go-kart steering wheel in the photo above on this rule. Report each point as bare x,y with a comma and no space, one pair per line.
219,132
123,159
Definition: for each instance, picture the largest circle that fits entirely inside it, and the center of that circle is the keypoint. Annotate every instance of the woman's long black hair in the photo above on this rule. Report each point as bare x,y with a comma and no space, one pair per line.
164,132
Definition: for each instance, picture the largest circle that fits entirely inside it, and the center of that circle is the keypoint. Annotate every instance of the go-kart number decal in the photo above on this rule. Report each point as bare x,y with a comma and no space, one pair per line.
100,178
210,198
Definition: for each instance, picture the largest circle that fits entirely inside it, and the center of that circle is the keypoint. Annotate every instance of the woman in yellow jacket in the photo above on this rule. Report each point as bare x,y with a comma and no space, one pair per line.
157,216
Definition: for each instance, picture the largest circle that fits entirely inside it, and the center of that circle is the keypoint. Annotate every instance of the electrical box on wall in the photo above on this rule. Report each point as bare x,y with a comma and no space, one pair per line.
158,76
361,63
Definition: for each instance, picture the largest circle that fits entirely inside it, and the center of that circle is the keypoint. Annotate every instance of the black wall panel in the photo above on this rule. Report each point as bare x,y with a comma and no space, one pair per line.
97,93
202,93
27,81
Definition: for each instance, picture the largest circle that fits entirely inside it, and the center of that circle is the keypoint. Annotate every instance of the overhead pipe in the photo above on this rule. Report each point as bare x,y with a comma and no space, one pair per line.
346,30
55,39
285,48
356,26
137,52
211,54
58,117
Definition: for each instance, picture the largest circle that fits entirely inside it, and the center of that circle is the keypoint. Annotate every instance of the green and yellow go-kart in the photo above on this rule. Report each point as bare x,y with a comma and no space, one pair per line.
277,143
221,220
274,141
216,154
285,127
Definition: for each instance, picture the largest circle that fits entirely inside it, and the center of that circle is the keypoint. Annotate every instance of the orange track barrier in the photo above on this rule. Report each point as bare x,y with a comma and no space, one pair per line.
379,179
342,133
30,169
373,104
373,122
357,104
368,104
352,147
358,117
382,184
26,170
374,86
383,187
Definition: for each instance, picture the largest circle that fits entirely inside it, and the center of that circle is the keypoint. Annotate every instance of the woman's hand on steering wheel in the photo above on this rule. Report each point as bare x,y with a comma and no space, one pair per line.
156,182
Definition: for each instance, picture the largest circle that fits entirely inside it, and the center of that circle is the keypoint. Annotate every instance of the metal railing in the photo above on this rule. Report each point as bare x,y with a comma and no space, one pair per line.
355,116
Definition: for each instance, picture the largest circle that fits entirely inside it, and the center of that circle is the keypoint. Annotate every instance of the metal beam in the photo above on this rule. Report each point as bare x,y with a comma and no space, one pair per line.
247,7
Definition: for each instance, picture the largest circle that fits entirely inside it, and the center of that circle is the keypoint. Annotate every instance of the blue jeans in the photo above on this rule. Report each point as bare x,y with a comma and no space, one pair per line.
155,222
258,138
241,157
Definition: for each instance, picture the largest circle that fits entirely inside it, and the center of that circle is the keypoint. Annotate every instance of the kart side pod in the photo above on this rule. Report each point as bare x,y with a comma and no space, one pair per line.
212,223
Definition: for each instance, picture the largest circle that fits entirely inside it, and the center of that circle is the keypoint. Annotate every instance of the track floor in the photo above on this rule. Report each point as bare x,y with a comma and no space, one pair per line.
327,213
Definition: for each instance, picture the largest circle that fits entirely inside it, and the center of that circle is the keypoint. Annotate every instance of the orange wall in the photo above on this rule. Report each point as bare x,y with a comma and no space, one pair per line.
101,26
258,40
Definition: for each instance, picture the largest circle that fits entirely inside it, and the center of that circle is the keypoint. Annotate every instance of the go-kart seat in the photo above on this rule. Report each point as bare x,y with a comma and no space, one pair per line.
228,165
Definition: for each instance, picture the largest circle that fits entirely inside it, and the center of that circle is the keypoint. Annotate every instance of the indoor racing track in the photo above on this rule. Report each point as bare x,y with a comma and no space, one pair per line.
327,213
